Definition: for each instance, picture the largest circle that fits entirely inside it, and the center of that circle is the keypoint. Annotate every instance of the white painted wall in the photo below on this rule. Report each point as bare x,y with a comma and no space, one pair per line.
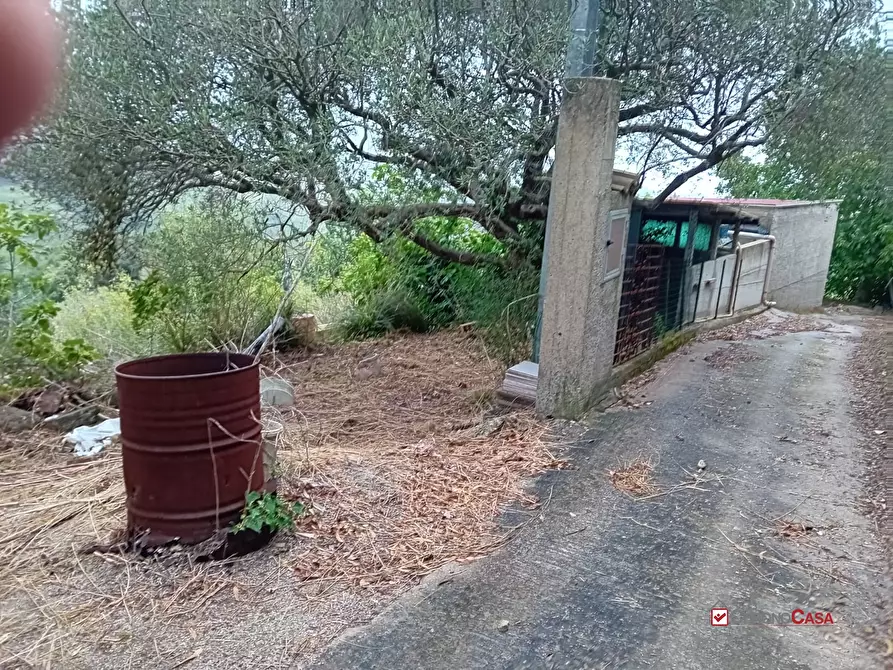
717,281
711,294
805,234
752,275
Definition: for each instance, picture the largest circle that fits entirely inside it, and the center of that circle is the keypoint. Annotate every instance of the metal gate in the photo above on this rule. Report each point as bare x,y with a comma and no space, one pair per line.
640,301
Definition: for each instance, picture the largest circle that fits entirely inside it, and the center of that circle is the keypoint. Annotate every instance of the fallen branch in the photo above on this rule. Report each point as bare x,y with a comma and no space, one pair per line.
260,344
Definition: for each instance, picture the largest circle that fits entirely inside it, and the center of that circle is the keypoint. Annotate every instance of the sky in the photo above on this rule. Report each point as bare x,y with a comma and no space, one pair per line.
707,184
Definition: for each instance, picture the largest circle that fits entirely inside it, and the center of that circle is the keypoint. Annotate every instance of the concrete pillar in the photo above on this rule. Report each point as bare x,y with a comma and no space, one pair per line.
580,308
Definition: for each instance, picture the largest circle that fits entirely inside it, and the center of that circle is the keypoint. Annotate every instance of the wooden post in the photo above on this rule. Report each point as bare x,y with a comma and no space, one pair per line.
685,293
714,240
735,272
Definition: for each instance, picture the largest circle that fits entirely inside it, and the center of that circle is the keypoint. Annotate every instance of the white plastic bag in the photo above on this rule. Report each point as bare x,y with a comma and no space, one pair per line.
90,440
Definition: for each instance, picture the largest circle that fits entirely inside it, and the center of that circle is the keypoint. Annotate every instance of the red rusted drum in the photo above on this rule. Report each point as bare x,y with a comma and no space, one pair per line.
191,437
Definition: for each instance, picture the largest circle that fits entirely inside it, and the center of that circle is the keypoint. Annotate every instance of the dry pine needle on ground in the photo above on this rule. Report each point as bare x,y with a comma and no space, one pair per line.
391,448
635,478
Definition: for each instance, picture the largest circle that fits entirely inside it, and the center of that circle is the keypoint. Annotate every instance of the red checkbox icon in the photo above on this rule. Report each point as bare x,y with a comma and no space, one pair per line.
719,616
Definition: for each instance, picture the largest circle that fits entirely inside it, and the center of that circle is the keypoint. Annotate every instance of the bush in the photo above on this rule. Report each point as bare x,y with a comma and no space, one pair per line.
382,313
503,303
328,308
215,279
30,355
102,317
396,285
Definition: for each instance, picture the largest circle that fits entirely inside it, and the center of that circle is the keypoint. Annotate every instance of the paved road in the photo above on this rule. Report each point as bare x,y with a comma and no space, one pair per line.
600,580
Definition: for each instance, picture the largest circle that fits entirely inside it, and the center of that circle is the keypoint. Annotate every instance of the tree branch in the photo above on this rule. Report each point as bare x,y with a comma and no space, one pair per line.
636,111
133,27
721,153
453,255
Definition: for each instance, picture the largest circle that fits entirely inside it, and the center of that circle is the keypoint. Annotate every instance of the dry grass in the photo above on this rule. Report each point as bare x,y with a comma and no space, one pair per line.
635,478
793,530
389,445
52,506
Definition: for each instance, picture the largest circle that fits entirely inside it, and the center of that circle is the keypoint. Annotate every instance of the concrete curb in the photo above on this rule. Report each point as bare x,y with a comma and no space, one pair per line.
644,361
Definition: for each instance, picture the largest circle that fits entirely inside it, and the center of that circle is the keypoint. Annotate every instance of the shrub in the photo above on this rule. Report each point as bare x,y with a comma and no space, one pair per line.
30,355
368,272
503,303
327,308
396,285
214,279
333,250
102,317
382,313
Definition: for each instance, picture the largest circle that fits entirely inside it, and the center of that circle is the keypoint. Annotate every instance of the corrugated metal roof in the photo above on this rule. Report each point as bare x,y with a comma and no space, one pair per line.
749,202
764,202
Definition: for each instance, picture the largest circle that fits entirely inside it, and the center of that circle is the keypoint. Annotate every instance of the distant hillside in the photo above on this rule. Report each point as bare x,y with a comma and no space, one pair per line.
13,194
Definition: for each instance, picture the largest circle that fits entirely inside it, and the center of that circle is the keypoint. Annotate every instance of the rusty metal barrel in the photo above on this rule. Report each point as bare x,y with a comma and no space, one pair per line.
191,439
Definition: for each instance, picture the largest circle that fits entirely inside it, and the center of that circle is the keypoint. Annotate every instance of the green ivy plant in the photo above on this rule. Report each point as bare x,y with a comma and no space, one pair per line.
267,510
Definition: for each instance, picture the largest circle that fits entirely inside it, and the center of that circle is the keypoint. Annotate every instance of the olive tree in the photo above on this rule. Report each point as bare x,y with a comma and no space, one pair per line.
838,149
301,99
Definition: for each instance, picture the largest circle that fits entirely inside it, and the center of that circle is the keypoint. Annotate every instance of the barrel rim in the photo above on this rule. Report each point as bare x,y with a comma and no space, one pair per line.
120,370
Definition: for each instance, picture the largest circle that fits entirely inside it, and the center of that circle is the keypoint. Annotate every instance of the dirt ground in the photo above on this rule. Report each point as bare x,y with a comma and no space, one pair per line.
393,446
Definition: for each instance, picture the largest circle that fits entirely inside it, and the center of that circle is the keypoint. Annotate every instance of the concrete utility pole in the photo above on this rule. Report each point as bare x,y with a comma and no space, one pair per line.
585,16
579,299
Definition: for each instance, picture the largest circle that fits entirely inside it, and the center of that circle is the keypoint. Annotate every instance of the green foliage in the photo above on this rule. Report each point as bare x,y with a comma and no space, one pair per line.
381,313
862,258
838,150
394,284
17,228
214,279
333,251
503,303
398,286
367,272
20,237
267,510
29,352
327,308
460,100
103,317
148,300
34,356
